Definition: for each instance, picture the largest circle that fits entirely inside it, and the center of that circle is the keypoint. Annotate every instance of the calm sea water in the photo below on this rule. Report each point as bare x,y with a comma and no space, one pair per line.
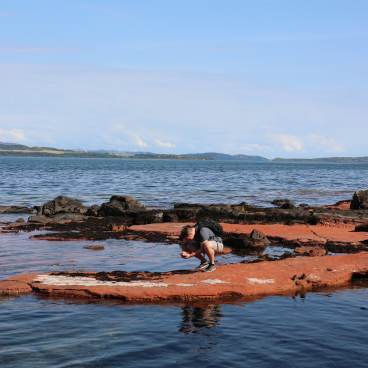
325,329
33,181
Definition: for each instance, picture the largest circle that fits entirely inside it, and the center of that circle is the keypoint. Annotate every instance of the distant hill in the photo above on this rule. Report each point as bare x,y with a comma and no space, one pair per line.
19,150
126,153
8,149
157,156
20,147
226,157
9,144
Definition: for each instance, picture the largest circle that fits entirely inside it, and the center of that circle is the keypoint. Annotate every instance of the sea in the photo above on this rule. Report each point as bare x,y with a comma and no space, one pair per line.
327,328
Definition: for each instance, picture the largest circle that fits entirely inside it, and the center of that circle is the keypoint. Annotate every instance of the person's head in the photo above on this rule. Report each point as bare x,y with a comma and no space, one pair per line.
188,233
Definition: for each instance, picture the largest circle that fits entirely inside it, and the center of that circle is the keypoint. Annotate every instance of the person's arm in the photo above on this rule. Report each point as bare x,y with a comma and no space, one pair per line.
183,245
190,255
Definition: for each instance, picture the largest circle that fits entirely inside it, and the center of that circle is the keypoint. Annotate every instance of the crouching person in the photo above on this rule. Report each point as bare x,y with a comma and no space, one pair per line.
201,242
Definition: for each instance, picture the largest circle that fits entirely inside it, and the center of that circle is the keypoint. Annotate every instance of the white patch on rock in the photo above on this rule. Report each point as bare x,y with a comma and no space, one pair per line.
87,281
184,284
260,281
214,281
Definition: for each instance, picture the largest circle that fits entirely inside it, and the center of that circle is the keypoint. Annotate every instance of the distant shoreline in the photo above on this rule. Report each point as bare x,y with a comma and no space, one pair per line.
18,150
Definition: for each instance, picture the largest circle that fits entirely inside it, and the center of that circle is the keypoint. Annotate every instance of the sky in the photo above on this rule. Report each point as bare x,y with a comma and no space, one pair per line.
274,78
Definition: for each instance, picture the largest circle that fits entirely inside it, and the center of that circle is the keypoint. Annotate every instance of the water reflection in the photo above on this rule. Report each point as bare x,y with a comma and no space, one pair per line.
196,318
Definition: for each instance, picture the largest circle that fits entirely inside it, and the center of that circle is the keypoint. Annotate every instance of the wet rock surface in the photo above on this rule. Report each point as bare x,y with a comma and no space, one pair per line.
283,277
16,209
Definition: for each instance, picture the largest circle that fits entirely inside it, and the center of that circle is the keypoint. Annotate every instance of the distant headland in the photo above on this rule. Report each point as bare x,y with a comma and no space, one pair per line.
19,150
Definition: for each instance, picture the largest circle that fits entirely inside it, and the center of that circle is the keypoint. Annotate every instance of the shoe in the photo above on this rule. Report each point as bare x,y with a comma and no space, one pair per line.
210,268
202,265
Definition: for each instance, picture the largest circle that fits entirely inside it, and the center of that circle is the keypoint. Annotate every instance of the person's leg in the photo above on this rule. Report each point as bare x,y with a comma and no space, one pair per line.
208,249
192,248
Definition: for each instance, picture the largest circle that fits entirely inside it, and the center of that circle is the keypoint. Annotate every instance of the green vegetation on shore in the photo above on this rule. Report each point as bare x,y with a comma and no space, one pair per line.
19,150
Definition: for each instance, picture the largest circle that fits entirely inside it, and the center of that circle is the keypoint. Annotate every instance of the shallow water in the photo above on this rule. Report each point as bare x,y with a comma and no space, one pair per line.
313,330
325,329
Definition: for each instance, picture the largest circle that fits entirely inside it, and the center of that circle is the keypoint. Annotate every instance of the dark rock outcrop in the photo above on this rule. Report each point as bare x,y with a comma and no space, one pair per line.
39,219
149,218
16,209
120,206
62,204
287,206
58,218
280,202
362,227
258,235
242,242
93,210
360,200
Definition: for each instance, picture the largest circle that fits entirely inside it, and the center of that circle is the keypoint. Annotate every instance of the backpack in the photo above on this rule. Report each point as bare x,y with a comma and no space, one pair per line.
214,226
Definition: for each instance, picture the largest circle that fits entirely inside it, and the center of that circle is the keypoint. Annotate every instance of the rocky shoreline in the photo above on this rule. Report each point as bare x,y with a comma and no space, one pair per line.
68,219
310,232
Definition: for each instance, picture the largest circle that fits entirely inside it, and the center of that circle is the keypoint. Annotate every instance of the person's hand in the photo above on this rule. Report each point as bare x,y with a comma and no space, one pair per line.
185,255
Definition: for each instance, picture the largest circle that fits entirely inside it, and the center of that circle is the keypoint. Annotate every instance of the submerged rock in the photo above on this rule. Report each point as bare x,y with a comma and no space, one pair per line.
16,209
94,247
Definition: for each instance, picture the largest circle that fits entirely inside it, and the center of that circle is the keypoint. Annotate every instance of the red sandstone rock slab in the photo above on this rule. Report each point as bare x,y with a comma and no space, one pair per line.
311,251
319,233
236,280
10,287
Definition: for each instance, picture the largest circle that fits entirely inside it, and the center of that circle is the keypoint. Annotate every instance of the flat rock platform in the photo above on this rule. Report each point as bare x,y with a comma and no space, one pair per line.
281,277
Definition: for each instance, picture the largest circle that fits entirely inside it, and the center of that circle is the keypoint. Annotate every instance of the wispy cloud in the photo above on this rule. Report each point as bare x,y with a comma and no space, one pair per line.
252,147
167,145
328,144
14,134
133,136
290,143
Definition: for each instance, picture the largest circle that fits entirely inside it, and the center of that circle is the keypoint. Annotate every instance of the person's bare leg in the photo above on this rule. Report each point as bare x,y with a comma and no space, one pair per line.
209,251
193,249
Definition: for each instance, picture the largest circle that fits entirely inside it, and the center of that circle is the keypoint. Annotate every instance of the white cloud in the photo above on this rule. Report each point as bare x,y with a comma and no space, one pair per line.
329,145
133,136
201,109
139,142
14,134
291,143
168,145
251,147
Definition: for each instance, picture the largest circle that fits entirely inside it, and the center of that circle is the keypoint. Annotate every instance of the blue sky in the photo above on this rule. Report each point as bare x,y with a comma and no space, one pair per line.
275,78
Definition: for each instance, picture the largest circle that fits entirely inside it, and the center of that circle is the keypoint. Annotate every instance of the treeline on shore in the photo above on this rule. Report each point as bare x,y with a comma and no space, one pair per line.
100,155
19,150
